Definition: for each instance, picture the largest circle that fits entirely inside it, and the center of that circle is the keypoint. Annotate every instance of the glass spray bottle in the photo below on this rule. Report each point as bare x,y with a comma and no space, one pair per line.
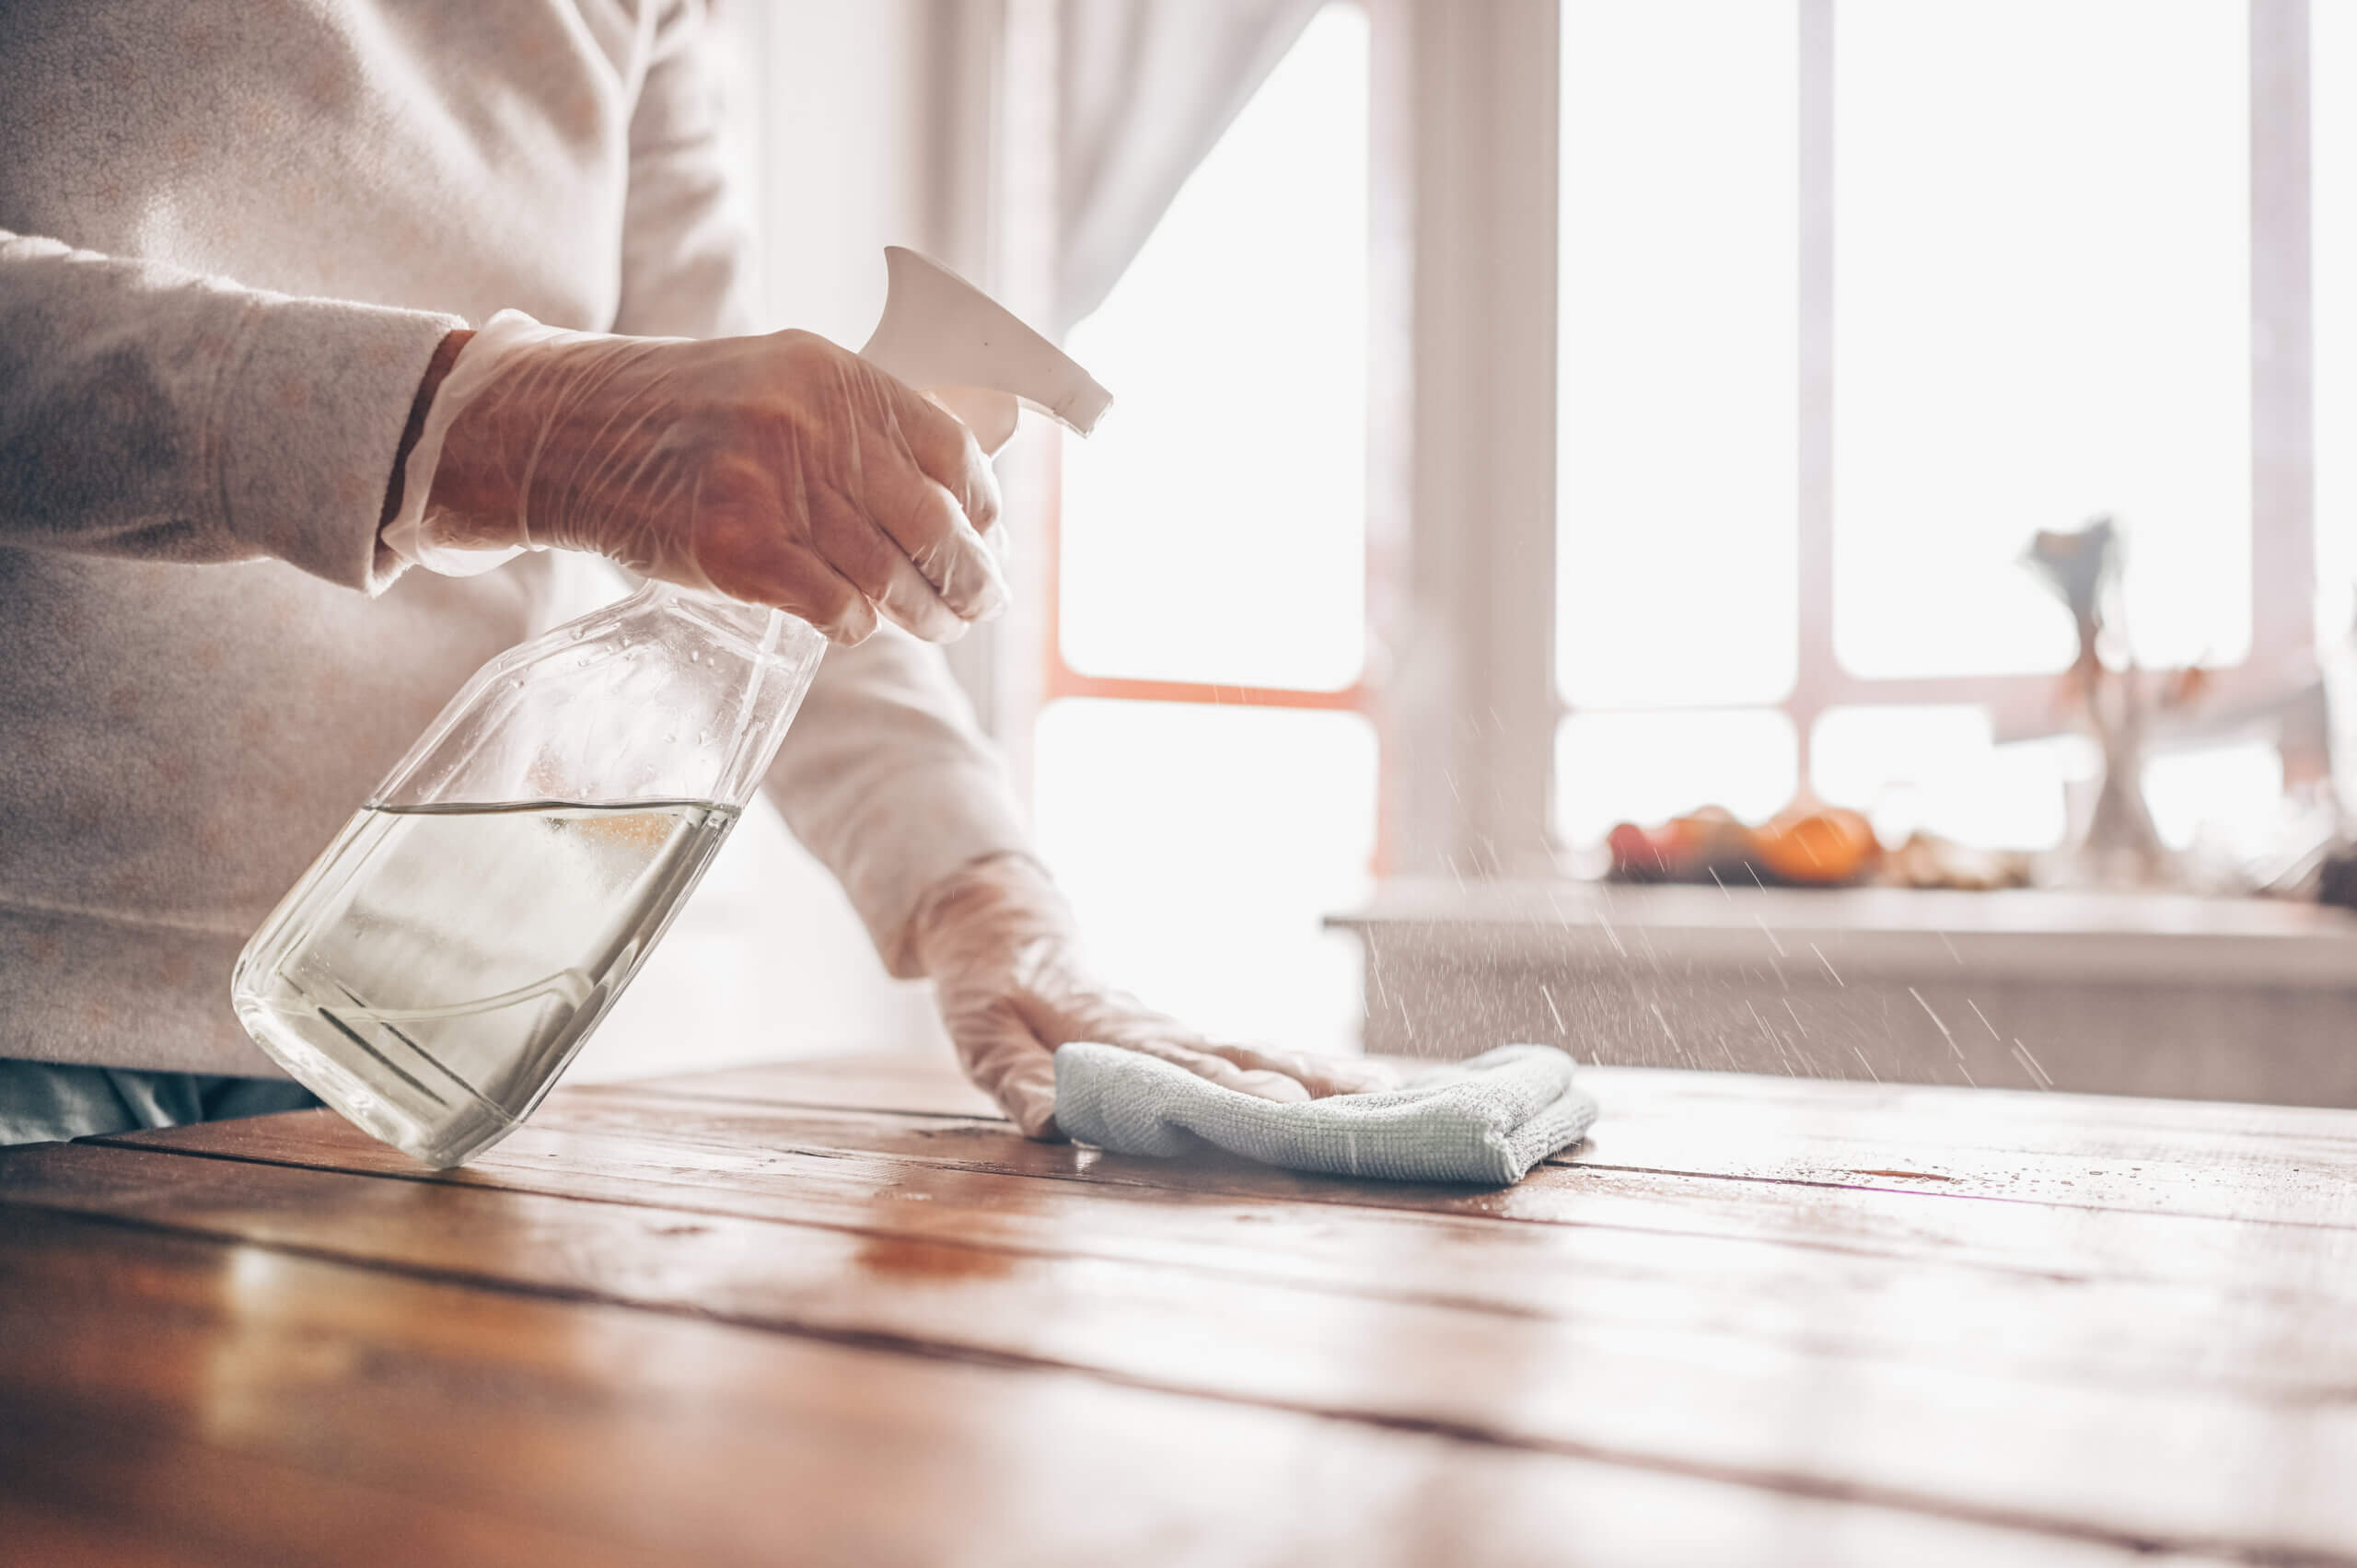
447,956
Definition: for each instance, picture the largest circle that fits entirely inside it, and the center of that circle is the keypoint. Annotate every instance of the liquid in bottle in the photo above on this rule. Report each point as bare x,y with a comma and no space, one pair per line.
437,965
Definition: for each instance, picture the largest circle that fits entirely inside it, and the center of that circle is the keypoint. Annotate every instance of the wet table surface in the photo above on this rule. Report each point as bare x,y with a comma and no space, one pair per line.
838,1312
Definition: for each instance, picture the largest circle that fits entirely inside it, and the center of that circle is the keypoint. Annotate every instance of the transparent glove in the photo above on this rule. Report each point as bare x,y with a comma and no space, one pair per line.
998,940
782,471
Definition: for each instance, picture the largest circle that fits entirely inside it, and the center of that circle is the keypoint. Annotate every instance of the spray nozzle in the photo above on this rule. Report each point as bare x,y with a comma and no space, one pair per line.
943,335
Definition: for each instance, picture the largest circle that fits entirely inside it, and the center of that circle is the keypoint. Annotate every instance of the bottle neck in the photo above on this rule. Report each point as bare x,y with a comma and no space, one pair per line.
753,665
751,630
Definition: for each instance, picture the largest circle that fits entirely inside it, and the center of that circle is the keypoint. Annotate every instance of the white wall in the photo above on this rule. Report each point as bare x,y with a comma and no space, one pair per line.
834,127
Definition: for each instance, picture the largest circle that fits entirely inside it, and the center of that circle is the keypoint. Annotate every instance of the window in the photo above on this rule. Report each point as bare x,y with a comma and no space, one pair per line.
2333,162
1232,478
1677,397
1834,307
1204,773
2041,313
1855,299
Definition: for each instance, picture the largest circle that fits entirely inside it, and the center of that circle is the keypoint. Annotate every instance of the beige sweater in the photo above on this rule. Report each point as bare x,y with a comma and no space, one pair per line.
231,233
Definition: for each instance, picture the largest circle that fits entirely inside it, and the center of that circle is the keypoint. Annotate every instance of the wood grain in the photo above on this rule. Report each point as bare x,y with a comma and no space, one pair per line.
2138,1455
2286,1164
170,1399
1875,1215
1752,1319
2194,1310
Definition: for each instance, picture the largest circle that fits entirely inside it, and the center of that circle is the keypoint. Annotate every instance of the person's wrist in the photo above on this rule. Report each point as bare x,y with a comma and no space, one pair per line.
470,490
437,369
1003,899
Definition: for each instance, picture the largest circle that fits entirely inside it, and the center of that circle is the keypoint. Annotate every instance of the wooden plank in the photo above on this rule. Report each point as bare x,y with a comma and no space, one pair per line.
2014,1120
915,1086
2243,1187
226,1399
2219,1310
720,1148
113,1492
2283,1181
2185,1466
2288,1165
930,1085
39,1531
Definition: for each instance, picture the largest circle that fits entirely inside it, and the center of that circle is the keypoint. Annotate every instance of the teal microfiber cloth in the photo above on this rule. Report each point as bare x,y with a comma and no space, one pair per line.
1488,1120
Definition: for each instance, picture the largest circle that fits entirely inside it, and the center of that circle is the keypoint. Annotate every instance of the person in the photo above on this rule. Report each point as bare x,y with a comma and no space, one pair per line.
242,243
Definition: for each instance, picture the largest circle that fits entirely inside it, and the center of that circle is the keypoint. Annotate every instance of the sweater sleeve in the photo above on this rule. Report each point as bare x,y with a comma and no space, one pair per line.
152,413
885,776
888,780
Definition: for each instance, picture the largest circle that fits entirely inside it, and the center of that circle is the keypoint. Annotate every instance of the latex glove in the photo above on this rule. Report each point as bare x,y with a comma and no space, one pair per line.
782,470
998,940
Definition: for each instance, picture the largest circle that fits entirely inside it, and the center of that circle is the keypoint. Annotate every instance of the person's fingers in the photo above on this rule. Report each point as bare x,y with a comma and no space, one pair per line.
1117,1019
1027,1094
1344,1075
1321,1075
1257,1082
936,503
1008,1062
925,519
1267,1085
877,568
748,557
817,594
949,455
1210,1066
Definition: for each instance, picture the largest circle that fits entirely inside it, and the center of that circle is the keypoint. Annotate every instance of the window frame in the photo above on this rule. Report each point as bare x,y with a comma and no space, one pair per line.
1461,535
1515,635
2282,509
1021,688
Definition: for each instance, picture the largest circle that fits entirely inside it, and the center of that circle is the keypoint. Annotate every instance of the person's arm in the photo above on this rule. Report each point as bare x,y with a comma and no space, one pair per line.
151,412
885,775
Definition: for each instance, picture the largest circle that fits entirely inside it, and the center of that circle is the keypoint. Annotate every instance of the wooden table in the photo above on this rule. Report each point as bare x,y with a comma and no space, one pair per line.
834,1312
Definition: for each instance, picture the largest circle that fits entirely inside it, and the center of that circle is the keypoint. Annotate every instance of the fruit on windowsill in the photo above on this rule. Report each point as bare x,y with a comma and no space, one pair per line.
1803,847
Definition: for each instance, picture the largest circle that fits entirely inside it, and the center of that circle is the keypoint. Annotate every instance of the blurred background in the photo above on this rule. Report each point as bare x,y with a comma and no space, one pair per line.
1889,467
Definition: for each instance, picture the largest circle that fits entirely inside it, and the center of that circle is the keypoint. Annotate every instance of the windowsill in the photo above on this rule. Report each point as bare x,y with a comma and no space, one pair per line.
1884,932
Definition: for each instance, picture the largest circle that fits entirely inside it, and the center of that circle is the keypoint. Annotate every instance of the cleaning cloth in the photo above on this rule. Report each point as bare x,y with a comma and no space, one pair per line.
1488,1120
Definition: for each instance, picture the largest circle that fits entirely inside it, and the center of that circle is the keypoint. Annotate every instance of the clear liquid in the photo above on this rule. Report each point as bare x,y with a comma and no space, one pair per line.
439,966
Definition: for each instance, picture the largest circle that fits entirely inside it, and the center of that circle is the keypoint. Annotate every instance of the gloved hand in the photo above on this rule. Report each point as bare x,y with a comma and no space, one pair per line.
998,940
781,470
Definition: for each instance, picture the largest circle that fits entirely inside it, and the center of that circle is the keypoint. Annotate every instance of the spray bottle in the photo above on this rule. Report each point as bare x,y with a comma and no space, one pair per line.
445,958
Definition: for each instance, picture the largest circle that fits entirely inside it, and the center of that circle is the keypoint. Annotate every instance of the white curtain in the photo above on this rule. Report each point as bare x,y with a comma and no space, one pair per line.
1145,87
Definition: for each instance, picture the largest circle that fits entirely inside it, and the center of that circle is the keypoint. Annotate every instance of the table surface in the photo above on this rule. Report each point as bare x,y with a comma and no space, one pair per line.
836,1311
